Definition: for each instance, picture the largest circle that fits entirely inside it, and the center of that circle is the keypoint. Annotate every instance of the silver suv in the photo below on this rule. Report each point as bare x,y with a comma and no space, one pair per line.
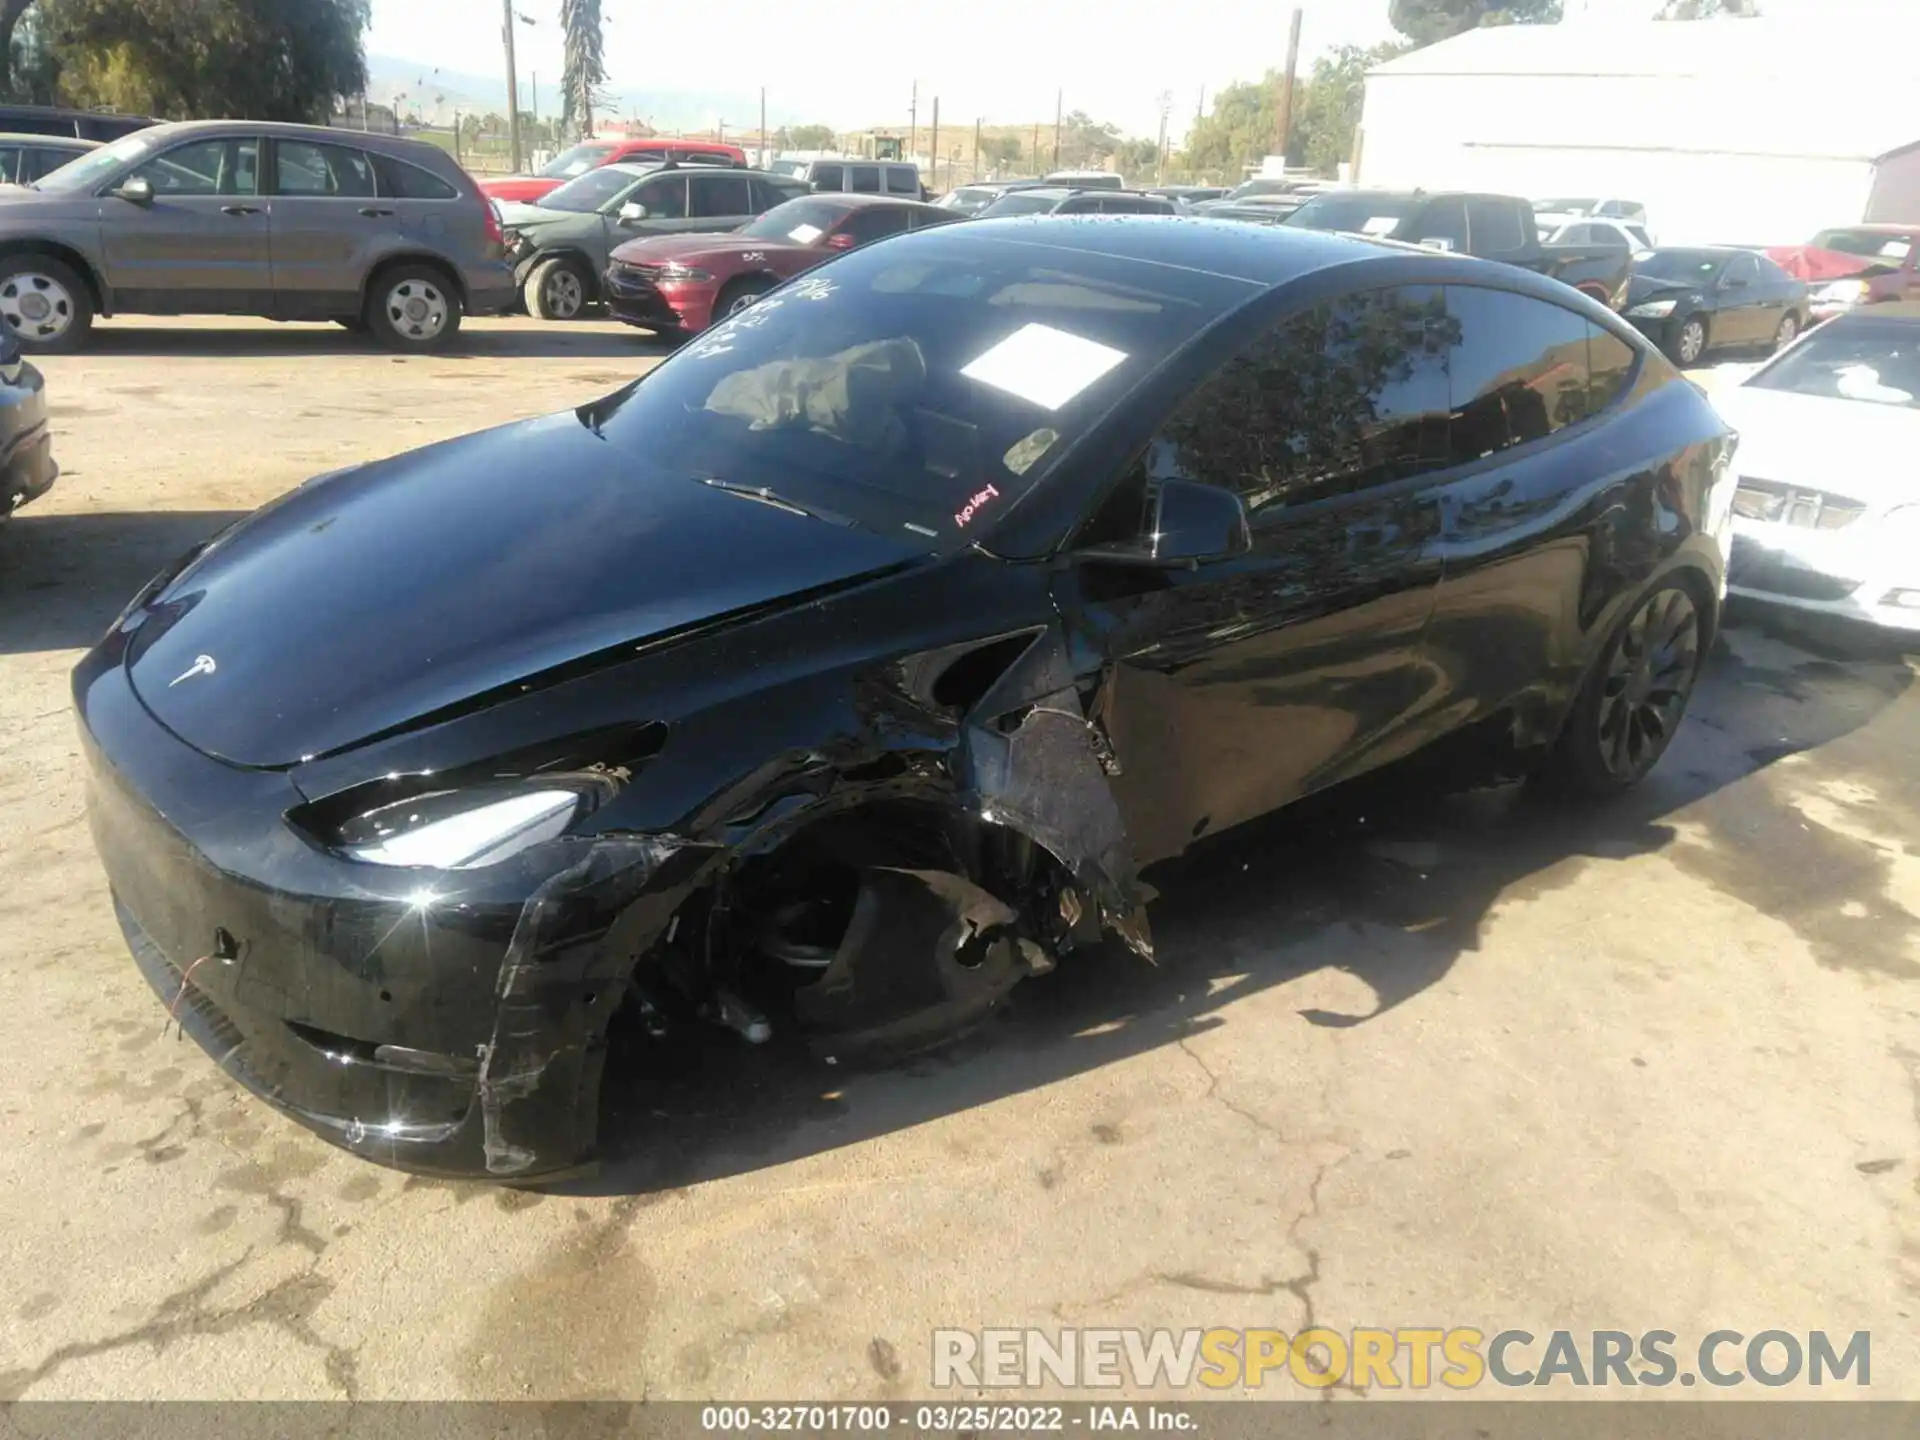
235,217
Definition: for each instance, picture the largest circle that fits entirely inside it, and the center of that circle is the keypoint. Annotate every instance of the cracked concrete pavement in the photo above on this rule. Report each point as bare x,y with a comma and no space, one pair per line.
1406,1060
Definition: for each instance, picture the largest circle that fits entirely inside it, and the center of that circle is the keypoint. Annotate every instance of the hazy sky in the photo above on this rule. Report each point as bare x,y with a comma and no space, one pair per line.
853,63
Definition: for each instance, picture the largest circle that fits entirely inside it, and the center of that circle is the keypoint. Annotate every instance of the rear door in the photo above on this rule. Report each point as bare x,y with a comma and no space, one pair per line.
1748,311
429,211
329,224
202,246
720,198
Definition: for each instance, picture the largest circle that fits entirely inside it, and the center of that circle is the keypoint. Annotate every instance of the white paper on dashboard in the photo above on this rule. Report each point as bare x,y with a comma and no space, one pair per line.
1380,225
805,234
1043,365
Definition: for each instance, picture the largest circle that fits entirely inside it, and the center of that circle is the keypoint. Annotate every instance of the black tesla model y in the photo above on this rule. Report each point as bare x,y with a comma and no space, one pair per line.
847,669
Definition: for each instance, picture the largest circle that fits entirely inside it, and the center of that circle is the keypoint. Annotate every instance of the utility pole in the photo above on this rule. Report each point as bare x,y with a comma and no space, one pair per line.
933,149
534,107
513,89
1059,104
1200,110
1160,148
1036,146
976,149
1286,85
763,127
913,121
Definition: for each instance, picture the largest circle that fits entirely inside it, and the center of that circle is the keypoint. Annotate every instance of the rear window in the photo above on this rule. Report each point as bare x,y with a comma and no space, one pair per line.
1020,203
1868,244
577,161
941,379
1354,214
903,180
410,182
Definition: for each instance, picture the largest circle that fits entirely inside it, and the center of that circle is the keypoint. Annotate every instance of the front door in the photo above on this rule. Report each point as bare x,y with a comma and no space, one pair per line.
202,245
1245,683
1746,316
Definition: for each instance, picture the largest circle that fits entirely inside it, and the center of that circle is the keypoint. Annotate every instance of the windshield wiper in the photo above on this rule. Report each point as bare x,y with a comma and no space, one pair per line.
766,496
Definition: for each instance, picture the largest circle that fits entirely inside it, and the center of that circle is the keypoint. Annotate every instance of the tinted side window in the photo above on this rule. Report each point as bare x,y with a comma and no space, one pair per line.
769,193
1519,371
401,181
303,169
10,165
204,167
1495,228
1610,362
35,162
718,195
1079,205
1349,394
26,122
665,198
1772,273
874,223
863,179
645,157
829,177
1445,220
1741,267
903,180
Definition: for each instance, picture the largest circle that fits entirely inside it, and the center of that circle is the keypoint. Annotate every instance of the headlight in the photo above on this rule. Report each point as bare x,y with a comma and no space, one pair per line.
459,829
1653,309
674,270
1840,292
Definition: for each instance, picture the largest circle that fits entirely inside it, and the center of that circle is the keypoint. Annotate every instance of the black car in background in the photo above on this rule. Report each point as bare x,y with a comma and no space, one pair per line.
1065,200
850,667
1693,301
1492,227
27,468
25,158
96,125
970,200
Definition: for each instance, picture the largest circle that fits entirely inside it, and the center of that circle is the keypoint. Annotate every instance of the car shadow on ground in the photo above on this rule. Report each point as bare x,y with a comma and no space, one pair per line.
555,341
64,577
1386,880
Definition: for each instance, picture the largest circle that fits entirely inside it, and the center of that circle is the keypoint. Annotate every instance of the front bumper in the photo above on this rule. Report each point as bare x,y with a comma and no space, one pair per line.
636,299
1824,573
449,1024
27,468
1659,331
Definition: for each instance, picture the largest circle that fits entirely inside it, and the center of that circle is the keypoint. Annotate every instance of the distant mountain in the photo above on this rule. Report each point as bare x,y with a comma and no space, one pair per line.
435,94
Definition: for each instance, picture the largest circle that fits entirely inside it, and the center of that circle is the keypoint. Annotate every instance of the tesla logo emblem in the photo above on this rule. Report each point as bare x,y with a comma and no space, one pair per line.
202,665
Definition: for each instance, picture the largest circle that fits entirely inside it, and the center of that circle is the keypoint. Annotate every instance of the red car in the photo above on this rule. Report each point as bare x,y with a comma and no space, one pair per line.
591,154
685,282
1855,266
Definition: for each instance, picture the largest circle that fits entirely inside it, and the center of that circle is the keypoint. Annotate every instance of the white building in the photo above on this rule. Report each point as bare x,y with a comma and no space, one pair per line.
1748,132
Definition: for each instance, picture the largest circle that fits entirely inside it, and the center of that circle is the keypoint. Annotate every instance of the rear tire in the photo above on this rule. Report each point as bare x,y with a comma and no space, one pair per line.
558,289
1635,699
413,307
47,307
738,295
1788,332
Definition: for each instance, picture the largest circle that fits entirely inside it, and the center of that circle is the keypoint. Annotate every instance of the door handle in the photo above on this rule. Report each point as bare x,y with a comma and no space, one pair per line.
239,209
375,212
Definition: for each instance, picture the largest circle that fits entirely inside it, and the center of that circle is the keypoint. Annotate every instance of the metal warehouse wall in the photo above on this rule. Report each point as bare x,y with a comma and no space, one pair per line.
1718,156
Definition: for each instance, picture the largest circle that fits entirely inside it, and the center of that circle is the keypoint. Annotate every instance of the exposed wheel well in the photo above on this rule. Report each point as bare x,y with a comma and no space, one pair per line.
66,255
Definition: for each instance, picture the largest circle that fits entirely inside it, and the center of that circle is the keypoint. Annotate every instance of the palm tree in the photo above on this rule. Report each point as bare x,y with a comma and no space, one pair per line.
580,20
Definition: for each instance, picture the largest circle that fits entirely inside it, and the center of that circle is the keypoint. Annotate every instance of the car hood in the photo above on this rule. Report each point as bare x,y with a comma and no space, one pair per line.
519,215
656,249
1851,447
1641,288
368,600
1810,262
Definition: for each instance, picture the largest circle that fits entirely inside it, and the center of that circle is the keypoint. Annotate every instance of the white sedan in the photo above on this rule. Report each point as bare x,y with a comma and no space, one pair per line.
1826,513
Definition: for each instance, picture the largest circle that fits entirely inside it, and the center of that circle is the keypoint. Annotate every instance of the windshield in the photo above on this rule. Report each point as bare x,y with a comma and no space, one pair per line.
1263,185
1687,267
969,199
801,221
923,385
1565,207
788,167
1876,361
1868,244
1020,203
100,165
1355,214
592,191
577,161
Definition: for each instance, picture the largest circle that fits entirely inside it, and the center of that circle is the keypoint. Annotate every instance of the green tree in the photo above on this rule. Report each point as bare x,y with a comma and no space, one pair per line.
1084,142
1137,158
245,59
1327,112
812,137
1425,21
1239,128
585,64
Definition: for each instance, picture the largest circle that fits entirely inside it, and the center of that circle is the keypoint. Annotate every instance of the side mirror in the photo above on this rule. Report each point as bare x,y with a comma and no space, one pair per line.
632,213
136,190
1192,523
